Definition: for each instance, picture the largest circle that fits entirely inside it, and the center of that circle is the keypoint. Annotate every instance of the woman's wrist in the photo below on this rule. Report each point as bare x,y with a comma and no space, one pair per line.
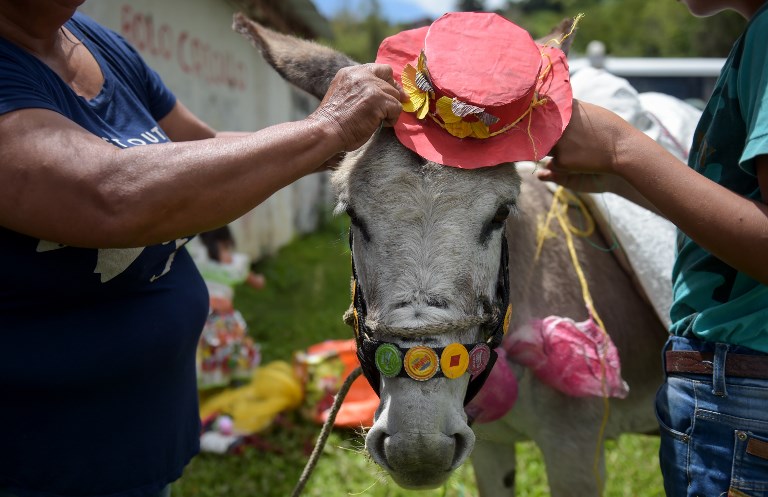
330,129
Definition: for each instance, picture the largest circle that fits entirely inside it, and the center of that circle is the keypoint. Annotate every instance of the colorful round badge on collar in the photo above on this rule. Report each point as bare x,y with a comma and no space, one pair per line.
454,360
478,358
420,363
389,360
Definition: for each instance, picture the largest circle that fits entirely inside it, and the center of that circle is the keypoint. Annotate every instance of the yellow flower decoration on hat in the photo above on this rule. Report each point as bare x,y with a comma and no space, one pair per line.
452,111
416,85
454,122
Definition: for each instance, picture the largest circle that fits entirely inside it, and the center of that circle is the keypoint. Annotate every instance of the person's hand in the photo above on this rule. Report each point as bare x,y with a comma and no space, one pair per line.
358,101
588,155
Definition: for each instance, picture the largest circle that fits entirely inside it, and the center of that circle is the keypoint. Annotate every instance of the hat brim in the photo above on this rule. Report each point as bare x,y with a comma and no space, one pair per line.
530,140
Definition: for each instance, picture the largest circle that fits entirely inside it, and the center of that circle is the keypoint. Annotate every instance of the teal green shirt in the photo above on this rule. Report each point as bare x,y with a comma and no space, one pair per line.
713,301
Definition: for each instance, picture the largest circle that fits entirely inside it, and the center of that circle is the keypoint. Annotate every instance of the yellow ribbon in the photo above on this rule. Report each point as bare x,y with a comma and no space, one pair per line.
561,202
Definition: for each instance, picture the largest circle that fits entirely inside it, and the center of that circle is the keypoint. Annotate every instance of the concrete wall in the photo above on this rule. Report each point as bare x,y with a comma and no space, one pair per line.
221,78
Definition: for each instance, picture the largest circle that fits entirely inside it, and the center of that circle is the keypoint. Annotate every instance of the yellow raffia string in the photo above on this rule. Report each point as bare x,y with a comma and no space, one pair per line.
547,69
569,33
561,202
456,128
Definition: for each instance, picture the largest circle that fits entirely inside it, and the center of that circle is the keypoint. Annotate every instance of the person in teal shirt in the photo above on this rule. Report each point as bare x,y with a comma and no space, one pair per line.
713,405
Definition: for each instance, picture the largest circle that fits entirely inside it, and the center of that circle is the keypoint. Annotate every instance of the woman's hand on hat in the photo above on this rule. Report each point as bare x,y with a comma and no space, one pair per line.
582,158
595,150
590,152
593,142
359,100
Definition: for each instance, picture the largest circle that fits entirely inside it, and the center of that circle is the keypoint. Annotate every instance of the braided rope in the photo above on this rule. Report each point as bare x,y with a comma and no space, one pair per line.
325,432
424,330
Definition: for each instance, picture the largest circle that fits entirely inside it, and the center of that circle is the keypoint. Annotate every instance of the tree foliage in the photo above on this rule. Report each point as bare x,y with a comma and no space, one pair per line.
636,28
470,5
358,30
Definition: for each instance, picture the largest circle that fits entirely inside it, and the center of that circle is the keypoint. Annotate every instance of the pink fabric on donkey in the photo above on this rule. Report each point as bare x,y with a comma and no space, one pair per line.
579,359
498,395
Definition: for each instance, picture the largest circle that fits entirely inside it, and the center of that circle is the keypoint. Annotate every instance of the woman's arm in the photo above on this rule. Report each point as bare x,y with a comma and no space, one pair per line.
61,183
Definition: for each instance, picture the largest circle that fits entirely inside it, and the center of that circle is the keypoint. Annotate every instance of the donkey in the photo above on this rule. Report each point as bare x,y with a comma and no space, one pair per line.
428,245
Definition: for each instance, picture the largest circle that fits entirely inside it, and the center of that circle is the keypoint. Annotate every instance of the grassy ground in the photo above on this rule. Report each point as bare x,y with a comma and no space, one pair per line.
307,292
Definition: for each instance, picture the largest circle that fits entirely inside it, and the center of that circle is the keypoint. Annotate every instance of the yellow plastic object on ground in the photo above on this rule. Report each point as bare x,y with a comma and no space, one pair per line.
273,389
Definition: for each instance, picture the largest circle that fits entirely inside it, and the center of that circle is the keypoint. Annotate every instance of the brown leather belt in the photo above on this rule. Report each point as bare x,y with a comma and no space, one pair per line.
739,365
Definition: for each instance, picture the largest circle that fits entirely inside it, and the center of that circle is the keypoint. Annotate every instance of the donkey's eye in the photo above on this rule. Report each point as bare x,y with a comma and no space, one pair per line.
358,223
501,215
495,223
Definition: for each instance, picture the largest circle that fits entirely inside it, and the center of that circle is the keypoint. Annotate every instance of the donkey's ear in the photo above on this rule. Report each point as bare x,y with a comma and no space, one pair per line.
558,32
306,64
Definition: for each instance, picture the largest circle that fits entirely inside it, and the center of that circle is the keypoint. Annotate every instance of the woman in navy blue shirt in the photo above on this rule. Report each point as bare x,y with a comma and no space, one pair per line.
100,311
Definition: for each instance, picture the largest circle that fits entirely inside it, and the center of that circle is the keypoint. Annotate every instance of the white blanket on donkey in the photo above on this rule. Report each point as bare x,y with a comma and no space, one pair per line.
647,239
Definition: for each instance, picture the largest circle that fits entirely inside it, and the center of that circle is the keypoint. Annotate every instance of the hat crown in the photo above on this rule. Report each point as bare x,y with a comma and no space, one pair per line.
482,59
480,90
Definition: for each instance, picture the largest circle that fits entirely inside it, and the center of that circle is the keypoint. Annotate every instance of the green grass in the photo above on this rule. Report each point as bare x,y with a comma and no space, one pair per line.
306,295
307,292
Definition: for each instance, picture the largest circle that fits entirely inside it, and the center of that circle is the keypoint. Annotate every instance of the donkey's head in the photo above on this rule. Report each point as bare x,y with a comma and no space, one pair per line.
430,278
429,296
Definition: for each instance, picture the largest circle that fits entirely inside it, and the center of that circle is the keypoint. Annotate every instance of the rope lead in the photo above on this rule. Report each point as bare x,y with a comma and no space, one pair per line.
325,432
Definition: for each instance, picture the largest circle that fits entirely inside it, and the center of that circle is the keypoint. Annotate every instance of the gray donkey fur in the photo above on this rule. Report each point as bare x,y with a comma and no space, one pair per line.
427,240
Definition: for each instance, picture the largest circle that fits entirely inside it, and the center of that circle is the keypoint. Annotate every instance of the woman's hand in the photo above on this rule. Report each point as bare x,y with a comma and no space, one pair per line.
359,100
594,153
589,155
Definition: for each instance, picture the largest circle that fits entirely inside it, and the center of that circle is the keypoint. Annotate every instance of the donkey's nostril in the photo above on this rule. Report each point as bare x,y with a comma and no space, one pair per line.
464,441
375,442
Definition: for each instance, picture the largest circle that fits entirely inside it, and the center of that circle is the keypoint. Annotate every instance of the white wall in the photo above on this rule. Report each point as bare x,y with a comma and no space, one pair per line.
221,78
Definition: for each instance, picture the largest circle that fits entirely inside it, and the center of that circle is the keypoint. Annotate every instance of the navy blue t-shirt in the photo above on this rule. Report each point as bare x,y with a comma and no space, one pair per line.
97,347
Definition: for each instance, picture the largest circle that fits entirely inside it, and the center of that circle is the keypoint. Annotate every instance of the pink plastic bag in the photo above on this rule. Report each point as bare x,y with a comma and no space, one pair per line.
579,359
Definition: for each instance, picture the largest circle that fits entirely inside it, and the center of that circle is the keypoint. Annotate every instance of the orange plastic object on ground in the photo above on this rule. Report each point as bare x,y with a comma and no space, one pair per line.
323,368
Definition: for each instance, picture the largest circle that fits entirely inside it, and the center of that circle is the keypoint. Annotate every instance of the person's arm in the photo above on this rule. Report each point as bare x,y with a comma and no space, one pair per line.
593,183
181,125
732,227
59,182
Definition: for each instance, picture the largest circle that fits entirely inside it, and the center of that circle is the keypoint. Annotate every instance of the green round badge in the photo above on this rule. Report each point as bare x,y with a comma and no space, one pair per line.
389,360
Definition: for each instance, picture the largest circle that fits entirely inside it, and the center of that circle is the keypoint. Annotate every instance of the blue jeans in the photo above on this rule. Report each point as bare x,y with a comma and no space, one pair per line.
714,429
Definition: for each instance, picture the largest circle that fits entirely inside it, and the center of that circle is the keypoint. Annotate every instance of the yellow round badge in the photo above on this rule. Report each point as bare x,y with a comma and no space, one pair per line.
420,363
454,360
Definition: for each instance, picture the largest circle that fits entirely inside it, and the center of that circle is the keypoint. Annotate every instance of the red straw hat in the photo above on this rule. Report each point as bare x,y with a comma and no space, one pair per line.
482,91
